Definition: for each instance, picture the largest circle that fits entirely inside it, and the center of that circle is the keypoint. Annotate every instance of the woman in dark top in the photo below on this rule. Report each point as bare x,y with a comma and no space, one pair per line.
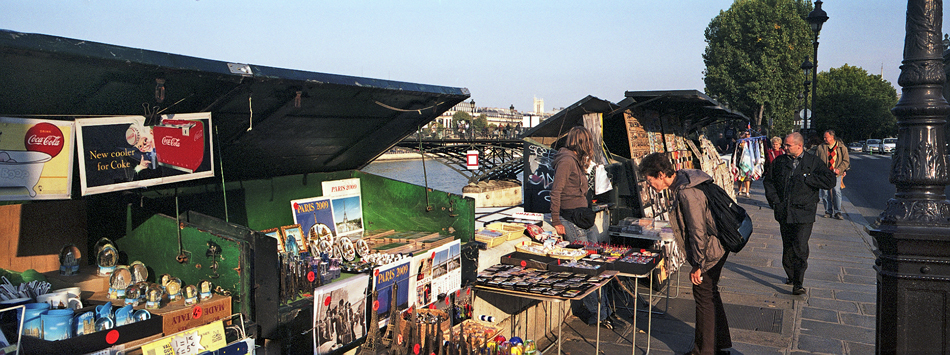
570,192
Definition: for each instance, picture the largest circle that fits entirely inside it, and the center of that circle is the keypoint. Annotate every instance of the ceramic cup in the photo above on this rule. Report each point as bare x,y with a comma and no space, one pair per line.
72,291
104,311
84,324
32,324
123,316
57,324
141,315
57,300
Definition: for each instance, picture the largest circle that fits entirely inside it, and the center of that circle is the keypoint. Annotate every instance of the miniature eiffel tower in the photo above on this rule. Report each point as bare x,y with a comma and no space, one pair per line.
392,330
373,342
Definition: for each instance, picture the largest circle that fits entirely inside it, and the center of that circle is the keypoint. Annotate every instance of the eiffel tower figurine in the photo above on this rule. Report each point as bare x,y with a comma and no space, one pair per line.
373,343
392,330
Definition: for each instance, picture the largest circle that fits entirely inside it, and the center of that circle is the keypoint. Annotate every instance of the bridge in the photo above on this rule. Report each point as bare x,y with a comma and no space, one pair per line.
498,159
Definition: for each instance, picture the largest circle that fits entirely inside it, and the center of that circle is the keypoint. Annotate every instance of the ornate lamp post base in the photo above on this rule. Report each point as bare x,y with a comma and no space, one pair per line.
912,235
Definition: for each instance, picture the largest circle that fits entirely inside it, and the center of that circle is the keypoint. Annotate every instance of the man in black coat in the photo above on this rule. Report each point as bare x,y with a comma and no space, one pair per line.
791,187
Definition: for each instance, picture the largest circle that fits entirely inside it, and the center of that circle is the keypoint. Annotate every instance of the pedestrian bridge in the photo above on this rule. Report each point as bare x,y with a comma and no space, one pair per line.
498,159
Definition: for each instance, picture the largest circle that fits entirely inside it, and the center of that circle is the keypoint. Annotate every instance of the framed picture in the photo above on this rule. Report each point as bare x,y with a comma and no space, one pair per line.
275,233
295,241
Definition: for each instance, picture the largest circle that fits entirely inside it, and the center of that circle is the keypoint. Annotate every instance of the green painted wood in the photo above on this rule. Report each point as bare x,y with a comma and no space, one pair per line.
155,243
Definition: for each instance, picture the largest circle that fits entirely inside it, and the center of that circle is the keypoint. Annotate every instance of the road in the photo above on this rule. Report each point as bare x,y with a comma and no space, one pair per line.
867,185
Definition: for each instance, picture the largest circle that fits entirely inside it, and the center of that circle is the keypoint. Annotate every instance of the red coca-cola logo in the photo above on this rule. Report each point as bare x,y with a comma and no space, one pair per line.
44,137
170,141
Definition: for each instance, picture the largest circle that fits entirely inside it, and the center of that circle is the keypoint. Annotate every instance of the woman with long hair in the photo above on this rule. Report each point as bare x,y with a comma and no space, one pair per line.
570,199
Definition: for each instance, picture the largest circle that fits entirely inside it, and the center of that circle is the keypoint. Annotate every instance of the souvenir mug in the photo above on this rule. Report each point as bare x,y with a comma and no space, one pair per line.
57,324
58,300
123,315
84,324
32,324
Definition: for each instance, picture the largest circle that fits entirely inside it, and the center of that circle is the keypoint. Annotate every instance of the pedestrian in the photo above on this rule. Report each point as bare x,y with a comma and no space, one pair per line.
791,187
834,154
722,144
570,211
743,176
695,231
772,153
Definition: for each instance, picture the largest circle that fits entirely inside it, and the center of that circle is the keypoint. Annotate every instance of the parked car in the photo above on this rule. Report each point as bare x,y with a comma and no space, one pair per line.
855,146
888,145
872,146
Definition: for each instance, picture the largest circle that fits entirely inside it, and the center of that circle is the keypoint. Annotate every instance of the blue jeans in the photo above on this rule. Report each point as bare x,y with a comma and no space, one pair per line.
587,306
832,198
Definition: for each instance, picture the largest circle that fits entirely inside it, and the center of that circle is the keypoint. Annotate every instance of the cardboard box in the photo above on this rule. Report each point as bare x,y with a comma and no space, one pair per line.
176,316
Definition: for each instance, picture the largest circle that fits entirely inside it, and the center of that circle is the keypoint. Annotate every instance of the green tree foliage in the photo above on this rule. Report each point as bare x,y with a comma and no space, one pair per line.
754,52
481,122
460,116
856,104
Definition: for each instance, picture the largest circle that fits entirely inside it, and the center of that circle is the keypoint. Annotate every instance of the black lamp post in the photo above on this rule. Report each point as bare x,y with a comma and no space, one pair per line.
806,115
815,18
912,234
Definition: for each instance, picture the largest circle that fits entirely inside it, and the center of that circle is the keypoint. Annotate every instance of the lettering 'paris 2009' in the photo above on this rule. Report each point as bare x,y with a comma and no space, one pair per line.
390,274
313,206
344,188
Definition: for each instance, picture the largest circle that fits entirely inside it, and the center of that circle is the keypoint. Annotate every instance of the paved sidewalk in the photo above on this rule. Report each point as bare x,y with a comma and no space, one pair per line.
836,316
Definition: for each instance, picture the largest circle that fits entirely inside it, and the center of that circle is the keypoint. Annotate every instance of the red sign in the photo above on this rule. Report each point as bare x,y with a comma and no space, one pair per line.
180,144
44,137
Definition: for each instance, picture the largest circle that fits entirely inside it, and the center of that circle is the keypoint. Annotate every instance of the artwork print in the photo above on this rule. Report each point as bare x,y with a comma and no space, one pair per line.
339,314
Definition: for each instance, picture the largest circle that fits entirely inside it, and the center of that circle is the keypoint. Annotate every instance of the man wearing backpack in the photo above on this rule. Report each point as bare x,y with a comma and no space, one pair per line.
791,188
695,230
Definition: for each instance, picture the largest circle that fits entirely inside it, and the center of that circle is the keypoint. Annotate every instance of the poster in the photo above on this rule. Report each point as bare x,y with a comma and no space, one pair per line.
348,216
122,153
341,188
36,159
438,272
339,313
315,217
384,278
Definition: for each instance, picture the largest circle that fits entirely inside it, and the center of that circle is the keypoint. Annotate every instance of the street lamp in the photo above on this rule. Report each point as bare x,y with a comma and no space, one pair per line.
815,18
807,67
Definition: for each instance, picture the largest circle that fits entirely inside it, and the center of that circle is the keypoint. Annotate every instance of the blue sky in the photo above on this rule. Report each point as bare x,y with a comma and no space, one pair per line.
505,52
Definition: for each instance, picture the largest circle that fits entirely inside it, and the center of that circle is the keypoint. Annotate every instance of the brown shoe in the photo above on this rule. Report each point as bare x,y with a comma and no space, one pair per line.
839,216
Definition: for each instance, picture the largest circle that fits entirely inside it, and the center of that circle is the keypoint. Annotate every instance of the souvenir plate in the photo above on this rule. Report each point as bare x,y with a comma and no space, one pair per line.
321,232
362,249
347,248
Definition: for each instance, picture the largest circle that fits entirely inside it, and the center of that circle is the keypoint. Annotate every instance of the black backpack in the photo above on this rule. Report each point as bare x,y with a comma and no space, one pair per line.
733,224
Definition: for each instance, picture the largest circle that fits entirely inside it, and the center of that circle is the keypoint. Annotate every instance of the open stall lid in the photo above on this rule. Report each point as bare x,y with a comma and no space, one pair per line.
692,105
549,130
268,121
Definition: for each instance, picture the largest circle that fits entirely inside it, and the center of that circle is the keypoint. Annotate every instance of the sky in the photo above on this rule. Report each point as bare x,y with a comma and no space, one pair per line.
506,52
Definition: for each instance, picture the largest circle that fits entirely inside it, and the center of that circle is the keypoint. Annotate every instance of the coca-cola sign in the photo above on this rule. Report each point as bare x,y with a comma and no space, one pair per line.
171,141
44,137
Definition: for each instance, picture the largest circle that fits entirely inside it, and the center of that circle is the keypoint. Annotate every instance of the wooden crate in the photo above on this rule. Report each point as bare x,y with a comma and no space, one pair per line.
511,230
176,316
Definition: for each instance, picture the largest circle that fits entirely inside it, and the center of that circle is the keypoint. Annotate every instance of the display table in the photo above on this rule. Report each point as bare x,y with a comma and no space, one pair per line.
610,274
646,271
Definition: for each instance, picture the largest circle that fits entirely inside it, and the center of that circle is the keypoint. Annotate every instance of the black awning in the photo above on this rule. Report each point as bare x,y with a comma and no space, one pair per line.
693,105
559,124
268,121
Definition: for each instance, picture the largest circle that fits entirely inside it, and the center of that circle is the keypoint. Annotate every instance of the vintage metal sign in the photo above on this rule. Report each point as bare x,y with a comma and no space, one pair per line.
122,153
36,158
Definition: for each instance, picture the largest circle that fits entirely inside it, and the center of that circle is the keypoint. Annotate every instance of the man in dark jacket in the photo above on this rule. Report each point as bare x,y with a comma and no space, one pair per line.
791,188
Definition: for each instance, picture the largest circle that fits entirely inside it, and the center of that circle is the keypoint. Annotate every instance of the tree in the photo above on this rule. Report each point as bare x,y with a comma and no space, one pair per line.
480,123
754,52
856,104
460,116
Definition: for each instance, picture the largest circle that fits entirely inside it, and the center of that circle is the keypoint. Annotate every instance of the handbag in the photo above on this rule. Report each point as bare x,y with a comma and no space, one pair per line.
582,217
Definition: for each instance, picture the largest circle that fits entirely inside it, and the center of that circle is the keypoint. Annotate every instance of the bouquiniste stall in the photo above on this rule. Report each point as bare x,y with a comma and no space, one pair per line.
265,137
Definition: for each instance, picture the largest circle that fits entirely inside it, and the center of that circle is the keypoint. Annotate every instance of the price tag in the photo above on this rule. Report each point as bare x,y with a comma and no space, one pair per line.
187,344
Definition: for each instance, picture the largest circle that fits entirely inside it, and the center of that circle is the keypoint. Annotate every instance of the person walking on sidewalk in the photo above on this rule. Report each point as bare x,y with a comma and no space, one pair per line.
791,188
695,231
834,154
571,215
